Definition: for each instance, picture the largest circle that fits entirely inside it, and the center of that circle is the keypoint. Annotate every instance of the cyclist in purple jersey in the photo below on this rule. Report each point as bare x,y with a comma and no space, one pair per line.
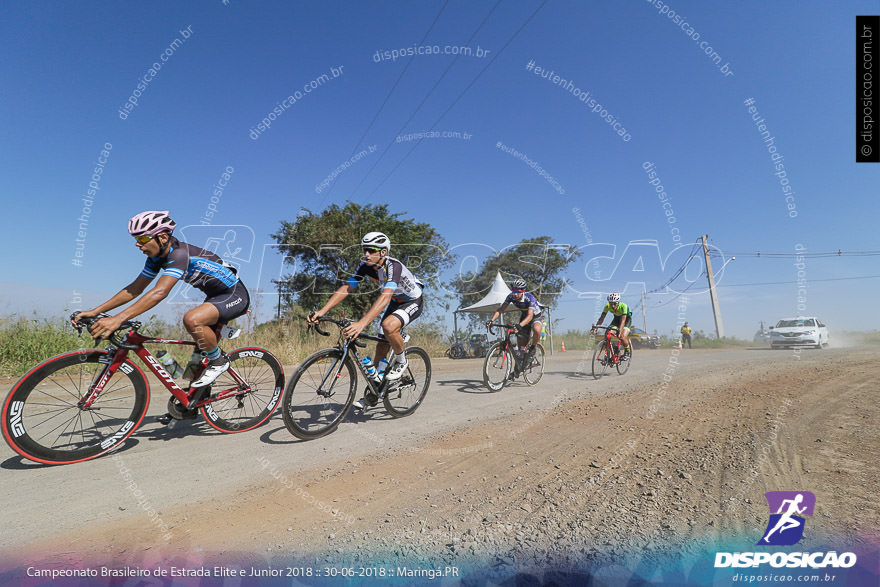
171,260
401,293
529,317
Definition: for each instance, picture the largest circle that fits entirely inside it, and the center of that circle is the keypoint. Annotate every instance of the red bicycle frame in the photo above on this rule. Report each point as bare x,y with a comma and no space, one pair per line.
134,341
608,354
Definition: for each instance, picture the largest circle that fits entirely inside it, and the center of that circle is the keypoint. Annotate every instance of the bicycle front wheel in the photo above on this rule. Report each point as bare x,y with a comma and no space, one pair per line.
623,366
497,366
409,391
258,397
43,422
601,360
533,373
319,394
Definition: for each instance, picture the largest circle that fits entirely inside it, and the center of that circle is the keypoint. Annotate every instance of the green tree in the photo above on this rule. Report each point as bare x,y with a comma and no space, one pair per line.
323,250
539,261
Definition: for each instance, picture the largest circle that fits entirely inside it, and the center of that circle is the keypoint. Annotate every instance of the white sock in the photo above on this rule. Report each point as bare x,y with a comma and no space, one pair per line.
400,359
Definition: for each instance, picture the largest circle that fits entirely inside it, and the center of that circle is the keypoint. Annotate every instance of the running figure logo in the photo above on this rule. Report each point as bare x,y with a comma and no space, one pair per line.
786,526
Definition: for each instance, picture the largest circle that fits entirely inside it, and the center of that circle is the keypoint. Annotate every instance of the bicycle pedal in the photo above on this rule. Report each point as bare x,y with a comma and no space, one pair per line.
164,419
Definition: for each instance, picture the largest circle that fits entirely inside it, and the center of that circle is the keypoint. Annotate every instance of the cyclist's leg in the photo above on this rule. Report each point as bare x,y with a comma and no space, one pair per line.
537,326
616,323
522,339
399,317
624,331
201,323
225,307
389,324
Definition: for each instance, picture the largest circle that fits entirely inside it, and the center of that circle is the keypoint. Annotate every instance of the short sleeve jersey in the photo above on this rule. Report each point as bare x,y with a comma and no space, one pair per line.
528,302
622,310
200,268
391,275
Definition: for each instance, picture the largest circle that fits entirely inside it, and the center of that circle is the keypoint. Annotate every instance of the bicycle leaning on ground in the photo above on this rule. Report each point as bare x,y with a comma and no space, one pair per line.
506,360
608,354
322,389
82,404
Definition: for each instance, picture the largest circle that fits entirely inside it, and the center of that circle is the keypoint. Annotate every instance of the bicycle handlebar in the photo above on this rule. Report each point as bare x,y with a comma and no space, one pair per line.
342,324
507,326
87,321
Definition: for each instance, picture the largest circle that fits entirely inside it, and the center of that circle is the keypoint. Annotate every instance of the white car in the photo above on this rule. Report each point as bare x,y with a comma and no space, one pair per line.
800,331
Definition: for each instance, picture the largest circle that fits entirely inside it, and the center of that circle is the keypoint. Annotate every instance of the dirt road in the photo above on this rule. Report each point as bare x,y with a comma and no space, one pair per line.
573,470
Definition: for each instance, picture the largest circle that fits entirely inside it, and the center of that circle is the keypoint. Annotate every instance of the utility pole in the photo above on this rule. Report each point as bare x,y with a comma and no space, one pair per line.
719,327
644,311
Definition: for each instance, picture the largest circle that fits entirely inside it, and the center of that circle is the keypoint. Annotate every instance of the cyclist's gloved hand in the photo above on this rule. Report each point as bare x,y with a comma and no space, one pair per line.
517,328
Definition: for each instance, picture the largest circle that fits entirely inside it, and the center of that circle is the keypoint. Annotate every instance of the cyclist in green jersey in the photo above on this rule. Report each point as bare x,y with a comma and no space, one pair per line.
622,319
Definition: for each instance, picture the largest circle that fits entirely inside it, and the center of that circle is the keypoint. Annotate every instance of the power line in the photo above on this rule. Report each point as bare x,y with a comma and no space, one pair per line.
838,253
463,92
391,91
425,99
807,281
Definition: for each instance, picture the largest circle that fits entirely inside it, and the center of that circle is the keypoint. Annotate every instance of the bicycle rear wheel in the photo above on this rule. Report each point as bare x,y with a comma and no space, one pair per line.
41,418
600,360
408,392
497,366
533,373
319,394
264,383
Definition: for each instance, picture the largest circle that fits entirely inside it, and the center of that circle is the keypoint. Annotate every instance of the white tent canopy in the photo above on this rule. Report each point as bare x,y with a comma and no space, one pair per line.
493,300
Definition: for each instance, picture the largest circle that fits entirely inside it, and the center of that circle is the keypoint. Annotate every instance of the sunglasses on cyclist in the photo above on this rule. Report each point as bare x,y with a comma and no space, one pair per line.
371,250
142,240
517,291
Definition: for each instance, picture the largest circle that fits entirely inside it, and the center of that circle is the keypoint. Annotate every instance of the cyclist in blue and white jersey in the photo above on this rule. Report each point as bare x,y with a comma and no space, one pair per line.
171,260
529,317
401,293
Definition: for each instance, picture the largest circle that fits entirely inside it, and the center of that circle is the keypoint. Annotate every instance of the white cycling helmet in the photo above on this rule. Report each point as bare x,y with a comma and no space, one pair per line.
151,223
377,240
518,284
614,297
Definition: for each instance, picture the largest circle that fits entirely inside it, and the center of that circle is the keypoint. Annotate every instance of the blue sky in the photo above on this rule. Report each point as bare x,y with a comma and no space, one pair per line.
72,67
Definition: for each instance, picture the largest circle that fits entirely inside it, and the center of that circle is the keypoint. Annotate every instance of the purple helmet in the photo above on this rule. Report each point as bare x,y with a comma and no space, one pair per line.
151,223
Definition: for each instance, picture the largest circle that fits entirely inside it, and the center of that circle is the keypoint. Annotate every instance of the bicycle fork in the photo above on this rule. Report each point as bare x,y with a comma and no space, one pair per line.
97,386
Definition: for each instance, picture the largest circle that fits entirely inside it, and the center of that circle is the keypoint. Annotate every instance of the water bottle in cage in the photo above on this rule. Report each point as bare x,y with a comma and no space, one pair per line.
370,367
173,367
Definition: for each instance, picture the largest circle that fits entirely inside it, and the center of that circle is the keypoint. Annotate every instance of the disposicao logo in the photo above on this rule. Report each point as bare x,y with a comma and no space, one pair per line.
786,525
784,528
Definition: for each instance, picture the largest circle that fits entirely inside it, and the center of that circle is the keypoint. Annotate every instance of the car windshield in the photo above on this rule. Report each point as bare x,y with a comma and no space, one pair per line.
638,331
795,323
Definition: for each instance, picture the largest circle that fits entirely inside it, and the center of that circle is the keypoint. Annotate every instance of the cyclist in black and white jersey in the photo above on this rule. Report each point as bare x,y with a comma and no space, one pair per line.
171,260
401,293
